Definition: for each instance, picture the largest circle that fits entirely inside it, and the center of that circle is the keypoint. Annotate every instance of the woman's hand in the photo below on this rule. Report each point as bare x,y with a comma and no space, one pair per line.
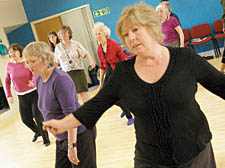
53,126
92,63
100,87
72,155
62,125
31,84
10,100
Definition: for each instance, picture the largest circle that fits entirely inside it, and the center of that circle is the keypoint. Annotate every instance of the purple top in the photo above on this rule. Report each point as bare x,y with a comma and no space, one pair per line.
57,98
168,29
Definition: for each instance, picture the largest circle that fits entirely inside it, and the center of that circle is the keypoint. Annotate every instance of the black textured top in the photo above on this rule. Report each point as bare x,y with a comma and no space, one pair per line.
170,127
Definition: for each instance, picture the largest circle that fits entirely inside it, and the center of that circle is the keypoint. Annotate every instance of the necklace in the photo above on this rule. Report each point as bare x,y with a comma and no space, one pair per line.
67,53
104,46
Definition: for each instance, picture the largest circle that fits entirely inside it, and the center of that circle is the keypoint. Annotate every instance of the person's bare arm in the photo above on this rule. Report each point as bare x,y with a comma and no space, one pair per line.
102,73
181,35
92,63
72,151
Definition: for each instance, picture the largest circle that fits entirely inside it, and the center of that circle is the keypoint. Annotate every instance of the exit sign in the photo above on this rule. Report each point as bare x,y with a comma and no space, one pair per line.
101,12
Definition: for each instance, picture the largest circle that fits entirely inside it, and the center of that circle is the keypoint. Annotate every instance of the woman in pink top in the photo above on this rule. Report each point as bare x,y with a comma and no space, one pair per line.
25,86
171,28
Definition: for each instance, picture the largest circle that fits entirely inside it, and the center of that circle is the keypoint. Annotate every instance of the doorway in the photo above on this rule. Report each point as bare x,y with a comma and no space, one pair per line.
81,23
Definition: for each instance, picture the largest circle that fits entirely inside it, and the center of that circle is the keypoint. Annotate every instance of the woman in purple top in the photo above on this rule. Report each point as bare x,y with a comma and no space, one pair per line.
25,87
171,28
57,99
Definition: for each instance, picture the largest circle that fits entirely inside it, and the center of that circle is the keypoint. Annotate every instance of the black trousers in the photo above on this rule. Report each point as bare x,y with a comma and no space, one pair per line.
3,100
109,72
29,110
223,57
205,159
86,151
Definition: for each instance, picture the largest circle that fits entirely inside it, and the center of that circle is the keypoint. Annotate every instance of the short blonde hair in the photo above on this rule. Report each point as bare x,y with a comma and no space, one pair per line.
143,15
40,50
163,7
168,5
102,27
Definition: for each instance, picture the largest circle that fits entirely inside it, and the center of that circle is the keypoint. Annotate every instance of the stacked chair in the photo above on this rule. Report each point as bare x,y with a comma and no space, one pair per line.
201,34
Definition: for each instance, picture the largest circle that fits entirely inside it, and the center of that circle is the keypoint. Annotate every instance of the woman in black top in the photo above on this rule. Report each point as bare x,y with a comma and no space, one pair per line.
159,87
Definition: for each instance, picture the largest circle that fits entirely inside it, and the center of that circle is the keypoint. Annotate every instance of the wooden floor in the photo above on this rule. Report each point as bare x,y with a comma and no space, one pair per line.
115,141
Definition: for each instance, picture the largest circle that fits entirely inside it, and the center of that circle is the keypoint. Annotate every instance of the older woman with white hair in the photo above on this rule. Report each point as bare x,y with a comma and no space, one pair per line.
174,36
109,53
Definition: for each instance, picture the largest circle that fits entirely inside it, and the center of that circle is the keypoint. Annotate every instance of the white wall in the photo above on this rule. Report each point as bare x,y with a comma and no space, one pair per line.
12,13
3,37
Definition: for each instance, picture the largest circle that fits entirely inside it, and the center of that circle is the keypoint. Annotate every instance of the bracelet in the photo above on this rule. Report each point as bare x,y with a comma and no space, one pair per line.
72,145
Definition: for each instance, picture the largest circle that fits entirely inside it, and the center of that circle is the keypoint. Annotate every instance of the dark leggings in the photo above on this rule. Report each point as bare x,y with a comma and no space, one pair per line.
29,110
109,72
3,100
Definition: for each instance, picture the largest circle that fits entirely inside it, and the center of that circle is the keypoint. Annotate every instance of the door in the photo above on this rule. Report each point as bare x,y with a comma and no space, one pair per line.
44,27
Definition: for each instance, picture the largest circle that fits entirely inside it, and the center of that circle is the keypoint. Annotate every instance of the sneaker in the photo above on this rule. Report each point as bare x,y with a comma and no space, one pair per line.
130,121
122,114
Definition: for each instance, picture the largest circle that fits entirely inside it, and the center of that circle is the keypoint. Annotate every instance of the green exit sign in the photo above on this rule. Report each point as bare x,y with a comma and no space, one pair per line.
101,12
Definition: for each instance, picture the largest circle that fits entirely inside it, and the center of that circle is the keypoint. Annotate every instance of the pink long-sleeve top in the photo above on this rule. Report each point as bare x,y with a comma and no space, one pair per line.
20,77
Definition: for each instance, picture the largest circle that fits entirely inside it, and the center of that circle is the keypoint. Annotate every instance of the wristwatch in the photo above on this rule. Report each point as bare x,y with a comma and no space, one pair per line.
72,145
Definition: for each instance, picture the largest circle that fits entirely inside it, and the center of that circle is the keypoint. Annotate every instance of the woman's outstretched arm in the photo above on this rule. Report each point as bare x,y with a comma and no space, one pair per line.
62,125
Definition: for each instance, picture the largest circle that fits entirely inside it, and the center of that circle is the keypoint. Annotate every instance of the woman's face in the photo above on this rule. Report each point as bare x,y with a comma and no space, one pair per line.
52,38
100,36
64,35
138,39
36,65
15,55
163,14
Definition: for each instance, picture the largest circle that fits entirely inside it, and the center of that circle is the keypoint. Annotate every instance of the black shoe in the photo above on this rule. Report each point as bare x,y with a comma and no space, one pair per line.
35,138
47,144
